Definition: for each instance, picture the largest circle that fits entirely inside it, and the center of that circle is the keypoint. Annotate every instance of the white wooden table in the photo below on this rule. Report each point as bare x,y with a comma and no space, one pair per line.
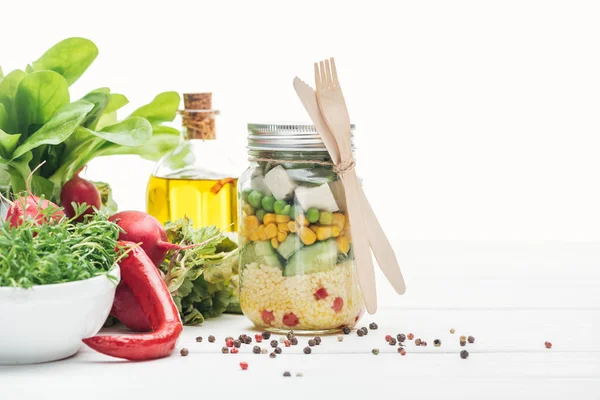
512,297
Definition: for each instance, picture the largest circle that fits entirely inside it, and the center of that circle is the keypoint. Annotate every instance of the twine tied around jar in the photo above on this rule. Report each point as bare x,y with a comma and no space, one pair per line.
340,169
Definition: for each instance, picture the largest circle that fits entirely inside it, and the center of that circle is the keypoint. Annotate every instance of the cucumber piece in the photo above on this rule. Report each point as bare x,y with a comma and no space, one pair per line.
319,257
289,246
259,252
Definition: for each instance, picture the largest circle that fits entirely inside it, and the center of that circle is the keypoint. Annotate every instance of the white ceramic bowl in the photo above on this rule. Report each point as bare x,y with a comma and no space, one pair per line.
47,322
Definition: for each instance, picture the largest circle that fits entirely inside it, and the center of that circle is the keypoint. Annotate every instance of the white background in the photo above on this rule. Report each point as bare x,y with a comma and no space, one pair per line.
476,119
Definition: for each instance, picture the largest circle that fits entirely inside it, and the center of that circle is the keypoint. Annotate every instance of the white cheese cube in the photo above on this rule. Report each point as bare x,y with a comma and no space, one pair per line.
319,197
279,183
258,183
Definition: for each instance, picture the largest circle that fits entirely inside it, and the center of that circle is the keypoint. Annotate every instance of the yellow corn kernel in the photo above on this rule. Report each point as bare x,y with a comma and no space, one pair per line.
301,220
335,231
313,228
251,223
323,232
339,220
261,233
271,231
282,218
253,236
292,226
269,218
274,243
343,244
283,227
307,236
281,236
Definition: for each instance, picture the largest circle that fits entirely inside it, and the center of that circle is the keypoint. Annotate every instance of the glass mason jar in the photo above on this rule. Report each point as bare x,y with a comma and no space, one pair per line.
297,269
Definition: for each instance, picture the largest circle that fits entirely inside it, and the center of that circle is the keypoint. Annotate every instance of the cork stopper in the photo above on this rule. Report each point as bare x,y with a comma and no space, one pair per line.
198,117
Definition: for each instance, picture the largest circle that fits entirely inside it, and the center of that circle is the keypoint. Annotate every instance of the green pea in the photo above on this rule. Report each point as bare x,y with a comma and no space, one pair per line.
295,211
260,214
255,198
326,218
286,210
312,215
245,194
267,203
279,206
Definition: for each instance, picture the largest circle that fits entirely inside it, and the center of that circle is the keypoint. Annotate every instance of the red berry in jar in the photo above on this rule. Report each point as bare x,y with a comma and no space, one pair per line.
338,304
290,319
258,337
244,365
267,317
321,294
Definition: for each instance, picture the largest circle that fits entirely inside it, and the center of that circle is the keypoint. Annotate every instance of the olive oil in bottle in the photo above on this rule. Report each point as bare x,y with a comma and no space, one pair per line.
196,180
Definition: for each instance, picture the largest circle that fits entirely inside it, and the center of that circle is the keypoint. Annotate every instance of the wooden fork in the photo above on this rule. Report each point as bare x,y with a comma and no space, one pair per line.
333,107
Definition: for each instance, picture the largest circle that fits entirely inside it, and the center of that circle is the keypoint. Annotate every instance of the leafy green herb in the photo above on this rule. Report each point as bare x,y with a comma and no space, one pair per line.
203,280
57,251
38,121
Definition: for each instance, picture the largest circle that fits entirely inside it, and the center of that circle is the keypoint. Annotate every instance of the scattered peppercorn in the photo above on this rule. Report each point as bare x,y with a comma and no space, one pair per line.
373,326
272,355
410,336
184,352
462,338
548,345
375,351
437,342
234,351
274,343
258,337
392,342
242,337
266,335
423,343
387,338
402,352
346,330
287,343
286,374
365,330
225,350
452,331
244,365
229,342
248,340
256,350
400,349
307,350
360,332
463,343
228,338
318,340
264,351
464,354
471,339
340,338
198,339
290,334
211,339
401,337
312,342
237,343
277,350
417,342
294,341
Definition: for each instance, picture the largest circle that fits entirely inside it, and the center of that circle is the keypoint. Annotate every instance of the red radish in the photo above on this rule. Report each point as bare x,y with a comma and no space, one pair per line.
29,207
79,191
290,319
143,228
267,317
127,309
338,304
321,293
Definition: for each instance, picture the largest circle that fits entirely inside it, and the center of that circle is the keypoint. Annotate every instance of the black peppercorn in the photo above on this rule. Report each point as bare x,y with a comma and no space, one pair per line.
256,350
286,374
471,339
307,350
417,342
277,350
423,343
365,330
464,354
272,355
184,352
346,330
375,351
463,343
211,339
225,350
318,340
294,341
242,337
274,343
401,337
360,332
237,343
437,342
290,335
248,340
266,335
198,339
392,342
373,326
312,342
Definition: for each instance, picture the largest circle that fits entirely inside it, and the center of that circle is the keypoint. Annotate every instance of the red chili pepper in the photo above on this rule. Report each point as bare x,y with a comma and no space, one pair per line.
144,280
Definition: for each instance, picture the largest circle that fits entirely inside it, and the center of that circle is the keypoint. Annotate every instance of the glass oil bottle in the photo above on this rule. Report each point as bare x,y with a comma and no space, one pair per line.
196,180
